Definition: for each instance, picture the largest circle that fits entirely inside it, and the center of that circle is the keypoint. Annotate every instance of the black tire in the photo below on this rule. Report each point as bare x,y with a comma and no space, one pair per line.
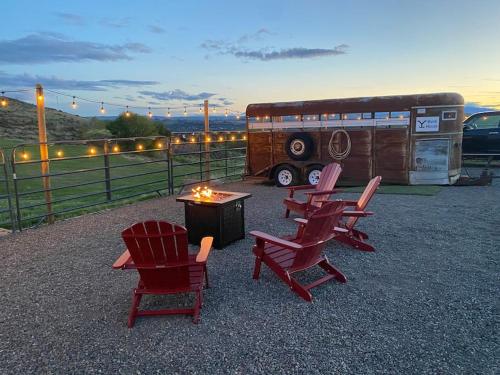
312,175
299,146
286,175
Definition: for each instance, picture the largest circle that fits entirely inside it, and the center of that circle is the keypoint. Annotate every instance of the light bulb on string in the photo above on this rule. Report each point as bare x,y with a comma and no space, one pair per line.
238,116
3,100
168,112
127,113
201,109
226,113
185,111
150,114
214,109
73,104
102,110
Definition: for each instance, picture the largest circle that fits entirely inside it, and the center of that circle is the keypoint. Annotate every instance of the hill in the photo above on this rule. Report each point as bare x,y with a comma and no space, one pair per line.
18,121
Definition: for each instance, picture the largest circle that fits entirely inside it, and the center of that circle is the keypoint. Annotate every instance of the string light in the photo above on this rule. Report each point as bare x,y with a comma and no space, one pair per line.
159,145
40,97
140,147
92,151
177,140
59,153
150,114
73,105
127,113
168,112
102,110
25,155
3,101
225,112
185,111
116,148
193,139
201,110
208,139
244,137
221,138
214,109
238,116
233,138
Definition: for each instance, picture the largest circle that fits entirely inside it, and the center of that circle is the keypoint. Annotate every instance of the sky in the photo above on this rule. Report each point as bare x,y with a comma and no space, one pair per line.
178,53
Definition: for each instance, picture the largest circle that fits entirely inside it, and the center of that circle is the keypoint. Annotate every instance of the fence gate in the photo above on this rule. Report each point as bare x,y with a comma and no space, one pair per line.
7,219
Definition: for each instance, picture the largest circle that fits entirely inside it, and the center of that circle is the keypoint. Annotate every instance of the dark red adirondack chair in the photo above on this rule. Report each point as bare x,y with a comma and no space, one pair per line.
354,237
302,251
322,191
159,251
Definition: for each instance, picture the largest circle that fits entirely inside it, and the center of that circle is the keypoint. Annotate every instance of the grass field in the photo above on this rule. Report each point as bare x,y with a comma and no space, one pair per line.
134,175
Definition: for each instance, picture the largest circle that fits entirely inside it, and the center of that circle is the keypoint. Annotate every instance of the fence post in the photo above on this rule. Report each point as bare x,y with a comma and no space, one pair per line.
7,191
107,173
44,150
201,157
207,144
170,165
225,154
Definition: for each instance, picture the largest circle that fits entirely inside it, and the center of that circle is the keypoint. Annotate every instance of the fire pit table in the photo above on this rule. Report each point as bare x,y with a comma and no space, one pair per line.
220,214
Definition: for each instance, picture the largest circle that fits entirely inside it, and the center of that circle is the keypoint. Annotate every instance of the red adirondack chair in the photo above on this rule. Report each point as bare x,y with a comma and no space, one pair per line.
322,191
305,250
354,237
159,251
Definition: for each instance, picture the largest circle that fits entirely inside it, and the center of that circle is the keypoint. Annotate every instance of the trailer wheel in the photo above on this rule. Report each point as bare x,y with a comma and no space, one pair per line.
286,175
313,173
299,146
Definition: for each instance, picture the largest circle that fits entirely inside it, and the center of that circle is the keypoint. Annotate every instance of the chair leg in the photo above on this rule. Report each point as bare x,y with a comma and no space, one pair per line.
300,290
287,213
359,234
206,276
332,270
354,242
256,270
197,307
136,300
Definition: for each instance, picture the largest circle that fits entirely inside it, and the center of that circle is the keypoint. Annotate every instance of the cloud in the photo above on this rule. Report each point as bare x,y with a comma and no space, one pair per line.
45,48
236,49
116,23
27,80
70,18
225,101
156,29
177,94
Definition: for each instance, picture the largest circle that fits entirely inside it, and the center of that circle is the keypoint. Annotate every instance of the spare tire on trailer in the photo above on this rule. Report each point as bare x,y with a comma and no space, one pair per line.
299,146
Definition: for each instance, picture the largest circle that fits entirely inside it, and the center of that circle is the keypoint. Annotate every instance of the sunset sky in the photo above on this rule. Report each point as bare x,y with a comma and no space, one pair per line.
176,53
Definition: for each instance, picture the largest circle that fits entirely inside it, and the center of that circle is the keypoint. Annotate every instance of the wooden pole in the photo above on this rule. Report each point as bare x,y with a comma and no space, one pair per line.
207,144
44,150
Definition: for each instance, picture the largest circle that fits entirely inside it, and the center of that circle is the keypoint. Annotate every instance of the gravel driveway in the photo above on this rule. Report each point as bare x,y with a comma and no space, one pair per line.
425,302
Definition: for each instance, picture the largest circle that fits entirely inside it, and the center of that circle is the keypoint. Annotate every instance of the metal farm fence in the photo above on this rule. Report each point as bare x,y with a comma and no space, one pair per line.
89,175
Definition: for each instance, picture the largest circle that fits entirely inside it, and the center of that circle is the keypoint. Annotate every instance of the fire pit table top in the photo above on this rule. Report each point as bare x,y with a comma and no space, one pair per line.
217,198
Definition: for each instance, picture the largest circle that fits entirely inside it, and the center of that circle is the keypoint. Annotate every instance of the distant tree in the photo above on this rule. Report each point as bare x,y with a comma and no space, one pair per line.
135,126
95,129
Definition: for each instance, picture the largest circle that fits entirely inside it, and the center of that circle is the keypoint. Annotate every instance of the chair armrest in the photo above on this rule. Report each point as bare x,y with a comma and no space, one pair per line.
275,240
205,247
300,221
340,230
357,213
124,261
301,187
323,192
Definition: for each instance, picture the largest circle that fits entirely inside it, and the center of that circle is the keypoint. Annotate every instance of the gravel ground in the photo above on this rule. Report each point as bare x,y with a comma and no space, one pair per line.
425,302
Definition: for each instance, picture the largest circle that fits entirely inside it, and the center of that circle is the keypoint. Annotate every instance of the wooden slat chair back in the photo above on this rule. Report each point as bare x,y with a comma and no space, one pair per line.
364,199
317,195
304,251
355,237
159,252
327,180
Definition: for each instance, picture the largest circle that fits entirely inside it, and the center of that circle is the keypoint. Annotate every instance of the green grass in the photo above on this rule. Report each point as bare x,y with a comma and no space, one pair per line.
427,190
88,186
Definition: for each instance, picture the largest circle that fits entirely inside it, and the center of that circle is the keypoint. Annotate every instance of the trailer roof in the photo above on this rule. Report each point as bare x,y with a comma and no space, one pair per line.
351,105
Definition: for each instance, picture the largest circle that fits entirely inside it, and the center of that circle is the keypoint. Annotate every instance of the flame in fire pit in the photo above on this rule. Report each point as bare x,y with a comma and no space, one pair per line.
202,193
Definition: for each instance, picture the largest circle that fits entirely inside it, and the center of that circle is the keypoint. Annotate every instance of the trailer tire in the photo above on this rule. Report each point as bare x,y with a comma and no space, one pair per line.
286,175
299,146
312,174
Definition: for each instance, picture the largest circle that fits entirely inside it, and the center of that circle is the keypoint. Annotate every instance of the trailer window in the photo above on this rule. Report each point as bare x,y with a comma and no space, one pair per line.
382,115
291,118
400,115
367,116
352,116
330,116
311,117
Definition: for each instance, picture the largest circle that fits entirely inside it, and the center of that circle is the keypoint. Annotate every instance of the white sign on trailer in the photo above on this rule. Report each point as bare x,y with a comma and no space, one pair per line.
427,124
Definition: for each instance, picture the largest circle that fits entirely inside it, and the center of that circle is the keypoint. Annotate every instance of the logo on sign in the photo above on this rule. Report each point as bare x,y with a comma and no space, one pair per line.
427,124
